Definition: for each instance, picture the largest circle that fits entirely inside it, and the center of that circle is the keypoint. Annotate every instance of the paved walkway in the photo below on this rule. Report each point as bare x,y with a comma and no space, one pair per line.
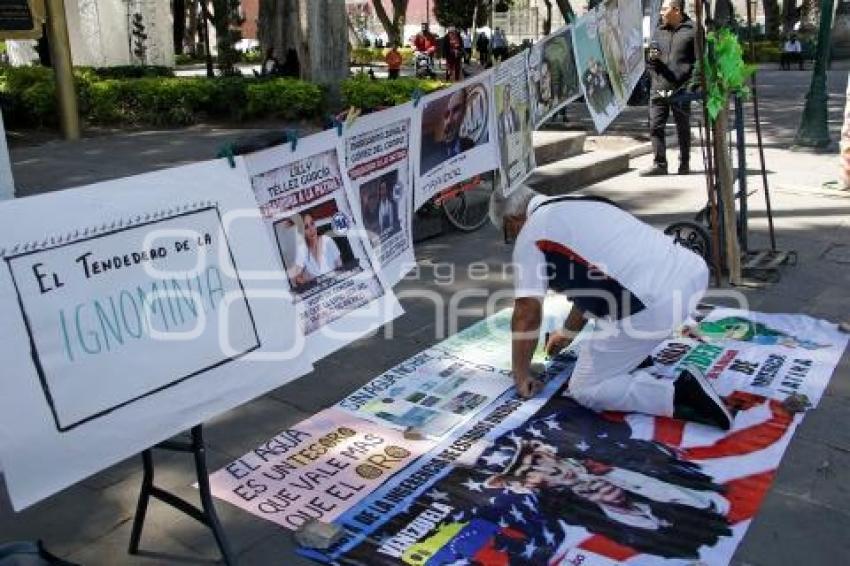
804,519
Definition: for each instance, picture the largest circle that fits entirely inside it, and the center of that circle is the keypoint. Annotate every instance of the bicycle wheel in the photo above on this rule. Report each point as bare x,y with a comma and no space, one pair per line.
468,209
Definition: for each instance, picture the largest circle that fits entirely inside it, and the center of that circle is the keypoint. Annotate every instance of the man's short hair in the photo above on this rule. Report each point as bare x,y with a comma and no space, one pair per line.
678,4
515,204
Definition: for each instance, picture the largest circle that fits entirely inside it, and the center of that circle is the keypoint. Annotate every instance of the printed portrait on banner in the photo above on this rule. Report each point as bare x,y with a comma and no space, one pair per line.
326,255
513,121
379,165
553,78
456,136
594,75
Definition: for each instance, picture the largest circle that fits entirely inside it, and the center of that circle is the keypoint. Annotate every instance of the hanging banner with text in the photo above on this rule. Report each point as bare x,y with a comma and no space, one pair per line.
139,322
379,166
316,470
513,121
552,74
327,259
455,137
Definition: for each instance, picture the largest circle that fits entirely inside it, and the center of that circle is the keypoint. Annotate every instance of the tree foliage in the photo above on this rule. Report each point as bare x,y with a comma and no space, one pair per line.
725,70
468,13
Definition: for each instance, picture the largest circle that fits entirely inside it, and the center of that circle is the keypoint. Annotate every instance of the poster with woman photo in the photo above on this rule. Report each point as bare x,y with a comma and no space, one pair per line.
455,136
326,257
377,159
552,74
513,122
593,73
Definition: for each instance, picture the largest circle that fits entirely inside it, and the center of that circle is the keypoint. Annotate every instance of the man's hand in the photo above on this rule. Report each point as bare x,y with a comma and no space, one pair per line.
527,386
558,341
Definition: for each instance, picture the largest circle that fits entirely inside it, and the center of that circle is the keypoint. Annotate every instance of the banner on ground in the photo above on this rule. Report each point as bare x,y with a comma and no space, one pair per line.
454,136
379,165
433,392
553,78
134,310
326,256
593,73
553,482
316,470
774,355
513,122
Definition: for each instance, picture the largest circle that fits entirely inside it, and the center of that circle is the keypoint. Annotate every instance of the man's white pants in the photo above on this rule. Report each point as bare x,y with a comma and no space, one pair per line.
605,378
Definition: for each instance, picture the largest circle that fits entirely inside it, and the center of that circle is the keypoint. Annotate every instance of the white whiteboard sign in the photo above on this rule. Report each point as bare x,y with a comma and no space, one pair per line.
127,318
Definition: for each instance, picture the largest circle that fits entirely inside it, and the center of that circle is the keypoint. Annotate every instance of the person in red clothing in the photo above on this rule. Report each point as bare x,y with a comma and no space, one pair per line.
453,51
426,42
394,60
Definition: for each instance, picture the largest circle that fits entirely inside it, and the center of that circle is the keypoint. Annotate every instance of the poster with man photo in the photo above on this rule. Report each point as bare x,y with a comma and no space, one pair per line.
552,74
620,35
377,159
602,103
326,256
513,122
456,136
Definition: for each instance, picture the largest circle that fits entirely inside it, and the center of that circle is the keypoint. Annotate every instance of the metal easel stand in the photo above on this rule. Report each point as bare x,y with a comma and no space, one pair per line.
205,515
761,265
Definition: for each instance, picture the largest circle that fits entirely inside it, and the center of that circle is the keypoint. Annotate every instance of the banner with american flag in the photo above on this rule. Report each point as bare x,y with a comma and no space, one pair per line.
550,482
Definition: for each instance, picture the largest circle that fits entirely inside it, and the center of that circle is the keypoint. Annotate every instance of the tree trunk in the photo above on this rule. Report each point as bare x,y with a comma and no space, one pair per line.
277,26
566,10
789,15
547,23
191,37
724,12
727,194
393,26
771,18
179,35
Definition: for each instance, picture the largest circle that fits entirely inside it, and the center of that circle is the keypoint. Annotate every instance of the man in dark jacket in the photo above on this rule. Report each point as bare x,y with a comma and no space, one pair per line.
672,55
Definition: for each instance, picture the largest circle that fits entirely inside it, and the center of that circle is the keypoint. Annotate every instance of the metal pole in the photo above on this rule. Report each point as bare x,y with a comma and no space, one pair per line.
813,131
60,55
709,171
740,146
755,98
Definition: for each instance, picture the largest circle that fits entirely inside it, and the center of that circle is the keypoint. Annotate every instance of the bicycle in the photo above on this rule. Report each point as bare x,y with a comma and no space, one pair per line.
467,204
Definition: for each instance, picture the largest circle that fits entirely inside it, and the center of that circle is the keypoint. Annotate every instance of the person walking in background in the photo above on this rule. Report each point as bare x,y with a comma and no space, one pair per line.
467,46
394,61
672,56
500,45
792,50
482,45
453,53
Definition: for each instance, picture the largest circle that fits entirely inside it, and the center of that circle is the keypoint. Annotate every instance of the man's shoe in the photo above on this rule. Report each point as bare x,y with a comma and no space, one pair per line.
684,169
695,400
654,171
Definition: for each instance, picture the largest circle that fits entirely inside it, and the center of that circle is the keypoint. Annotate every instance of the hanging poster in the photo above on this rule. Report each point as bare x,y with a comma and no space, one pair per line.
434,392
326,257
455,136
773,355
513,121
629,22
593,73
611,39
552,74
379,165
315,470
132,316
